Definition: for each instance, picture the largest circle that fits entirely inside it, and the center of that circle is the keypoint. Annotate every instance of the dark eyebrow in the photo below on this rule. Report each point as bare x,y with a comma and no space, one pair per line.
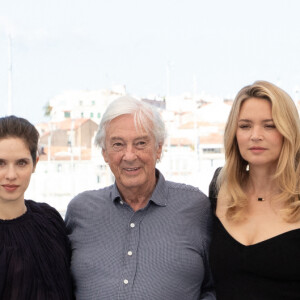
25,158
244,120
19,159
249,121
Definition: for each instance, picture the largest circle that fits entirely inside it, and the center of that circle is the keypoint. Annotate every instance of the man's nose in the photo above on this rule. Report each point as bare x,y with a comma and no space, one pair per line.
130,153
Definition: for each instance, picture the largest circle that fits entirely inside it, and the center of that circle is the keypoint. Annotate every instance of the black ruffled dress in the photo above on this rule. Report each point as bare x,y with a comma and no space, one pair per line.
35,256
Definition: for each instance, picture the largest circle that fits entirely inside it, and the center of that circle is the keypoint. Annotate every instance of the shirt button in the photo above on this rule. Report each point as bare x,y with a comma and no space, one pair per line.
132,225
129,253
121,202
125,281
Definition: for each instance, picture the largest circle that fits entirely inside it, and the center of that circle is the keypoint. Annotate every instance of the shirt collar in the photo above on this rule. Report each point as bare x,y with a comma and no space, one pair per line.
159,195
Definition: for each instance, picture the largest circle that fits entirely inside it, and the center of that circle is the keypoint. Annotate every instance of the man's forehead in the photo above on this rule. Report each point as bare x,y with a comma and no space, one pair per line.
126,137
127,122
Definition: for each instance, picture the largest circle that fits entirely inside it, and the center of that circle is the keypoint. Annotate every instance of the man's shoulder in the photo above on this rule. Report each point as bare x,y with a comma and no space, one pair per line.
90,198
184,188
190,202
186,195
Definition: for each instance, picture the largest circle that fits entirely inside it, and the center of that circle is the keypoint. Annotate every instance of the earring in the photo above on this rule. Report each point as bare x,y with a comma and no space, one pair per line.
247,168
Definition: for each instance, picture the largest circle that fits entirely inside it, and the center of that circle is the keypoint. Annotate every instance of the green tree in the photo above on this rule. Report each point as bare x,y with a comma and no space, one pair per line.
47,109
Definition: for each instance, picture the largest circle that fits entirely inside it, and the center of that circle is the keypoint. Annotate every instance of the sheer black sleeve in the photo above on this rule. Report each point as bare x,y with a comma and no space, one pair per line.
213,189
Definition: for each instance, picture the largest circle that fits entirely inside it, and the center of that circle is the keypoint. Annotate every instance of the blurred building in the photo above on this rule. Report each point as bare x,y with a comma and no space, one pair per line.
88,104
67,139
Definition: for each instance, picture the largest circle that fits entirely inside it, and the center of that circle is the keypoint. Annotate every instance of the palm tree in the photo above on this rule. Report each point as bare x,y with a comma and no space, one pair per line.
47,110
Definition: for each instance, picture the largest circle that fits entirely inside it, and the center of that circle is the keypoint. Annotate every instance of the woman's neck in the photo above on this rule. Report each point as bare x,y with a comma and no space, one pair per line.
261,184
12,209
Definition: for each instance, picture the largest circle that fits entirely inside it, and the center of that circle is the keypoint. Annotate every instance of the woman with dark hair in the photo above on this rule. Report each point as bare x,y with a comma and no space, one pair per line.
255,249
34,249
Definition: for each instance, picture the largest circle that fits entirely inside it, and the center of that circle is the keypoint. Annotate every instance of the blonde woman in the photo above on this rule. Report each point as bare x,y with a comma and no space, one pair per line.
255,251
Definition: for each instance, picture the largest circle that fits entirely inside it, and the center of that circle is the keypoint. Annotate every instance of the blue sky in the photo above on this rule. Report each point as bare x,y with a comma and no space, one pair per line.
95,44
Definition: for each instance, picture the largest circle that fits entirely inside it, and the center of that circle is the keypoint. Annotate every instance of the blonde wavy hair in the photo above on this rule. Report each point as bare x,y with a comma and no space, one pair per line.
287,175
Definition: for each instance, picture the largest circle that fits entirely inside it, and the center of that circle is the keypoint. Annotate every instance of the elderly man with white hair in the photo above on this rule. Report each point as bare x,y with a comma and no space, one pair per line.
142,237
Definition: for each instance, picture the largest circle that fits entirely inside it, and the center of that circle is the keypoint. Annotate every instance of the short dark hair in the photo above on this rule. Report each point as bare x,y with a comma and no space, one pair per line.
12,126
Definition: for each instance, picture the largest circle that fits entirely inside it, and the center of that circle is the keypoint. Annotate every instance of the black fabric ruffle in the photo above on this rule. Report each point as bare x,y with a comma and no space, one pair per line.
35,256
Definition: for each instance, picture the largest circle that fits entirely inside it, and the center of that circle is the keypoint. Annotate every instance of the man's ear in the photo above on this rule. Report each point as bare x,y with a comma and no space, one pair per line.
105,156
159,152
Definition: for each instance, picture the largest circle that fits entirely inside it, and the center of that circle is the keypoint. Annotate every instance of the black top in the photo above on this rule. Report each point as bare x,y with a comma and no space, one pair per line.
268,270
35,256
